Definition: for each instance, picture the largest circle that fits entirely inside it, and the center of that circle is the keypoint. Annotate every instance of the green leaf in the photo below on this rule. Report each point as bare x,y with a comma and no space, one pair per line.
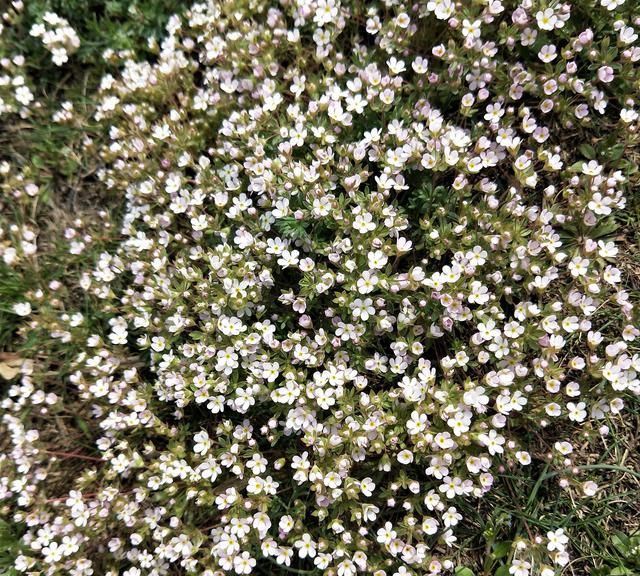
463,571
616,152
501,549
502,571
6,533
621,543
587,151
292,228
622,571
84,427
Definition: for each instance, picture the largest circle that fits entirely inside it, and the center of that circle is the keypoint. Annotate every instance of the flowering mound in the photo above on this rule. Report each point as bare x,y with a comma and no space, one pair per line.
368,254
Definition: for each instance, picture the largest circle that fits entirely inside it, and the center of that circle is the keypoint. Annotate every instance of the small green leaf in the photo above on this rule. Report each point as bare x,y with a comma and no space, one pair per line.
587,151
463,571
501,549
616,152
84,427
622,571
502,571
621,543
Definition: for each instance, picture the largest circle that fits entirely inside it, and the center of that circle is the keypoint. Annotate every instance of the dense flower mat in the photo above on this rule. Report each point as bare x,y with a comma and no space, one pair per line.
367,258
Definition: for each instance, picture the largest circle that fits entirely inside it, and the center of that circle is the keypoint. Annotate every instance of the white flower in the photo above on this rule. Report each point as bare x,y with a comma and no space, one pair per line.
377,259
306,546
158,343
405,457
520,568
244,563
493,441
557,540
471,29
367,283
548,53
202,443
22,308
592,168
386,534
589,488
443,9
367,486
364,223
403,245
577,412
332,480
546,19
600,204
579,266
289,258
362,309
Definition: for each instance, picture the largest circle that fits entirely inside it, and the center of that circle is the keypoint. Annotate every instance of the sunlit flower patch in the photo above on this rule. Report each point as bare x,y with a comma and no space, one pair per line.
359,263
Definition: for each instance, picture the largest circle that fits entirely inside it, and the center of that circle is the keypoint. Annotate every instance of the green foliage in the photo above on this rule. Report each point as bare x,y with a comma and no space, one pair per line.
292,228
10,547
425,198
111,24
627,562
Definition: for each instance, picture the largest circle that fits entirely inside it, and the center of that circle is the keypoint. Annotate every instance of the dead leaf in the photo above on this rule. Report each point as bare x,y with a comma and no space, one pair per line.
9,365
8,372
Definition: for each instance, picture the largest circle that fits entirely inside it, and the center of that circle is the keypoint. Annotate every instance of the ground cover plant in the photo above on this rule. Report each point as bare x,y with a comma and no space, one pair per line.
319,287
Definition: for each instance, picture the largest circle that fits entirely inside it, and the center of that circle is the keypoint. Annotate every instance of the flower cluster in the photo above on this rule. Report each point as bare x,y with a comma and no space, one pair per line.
18,241
57,36
16,94
355,271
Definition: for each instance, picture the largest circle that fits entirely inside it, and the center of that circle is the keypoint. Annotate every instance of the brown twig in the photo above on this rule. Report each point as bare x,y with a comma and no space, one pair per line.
73,455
